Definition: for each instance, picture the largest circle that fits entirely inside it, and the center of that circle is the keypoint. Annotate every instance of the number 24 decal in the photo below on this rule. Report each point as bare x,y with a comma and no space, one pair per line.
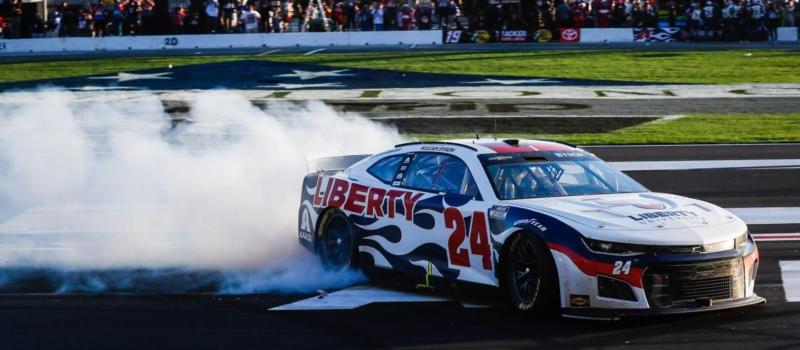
478,238
621,268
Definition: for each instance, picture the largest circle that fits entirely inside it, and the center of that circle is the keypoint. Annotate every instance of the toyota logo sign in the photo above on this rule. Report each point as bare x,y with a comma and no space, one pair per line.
569,35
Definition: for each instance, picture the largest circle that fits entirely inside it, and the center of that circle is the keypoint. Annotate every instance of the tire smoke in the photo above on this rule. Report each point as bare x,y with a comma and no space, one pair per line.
114,185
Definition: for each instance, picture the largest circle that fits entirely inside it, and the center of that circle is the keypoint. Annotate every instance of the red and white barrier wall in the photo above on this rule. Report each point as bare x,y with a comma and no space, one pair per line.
417,37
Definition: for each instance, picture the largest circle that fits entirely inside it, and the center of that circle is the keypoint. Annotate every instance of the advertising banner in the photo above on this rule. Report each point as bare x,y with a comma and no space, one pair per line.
658,34
512,36
570,35
542,36
467,37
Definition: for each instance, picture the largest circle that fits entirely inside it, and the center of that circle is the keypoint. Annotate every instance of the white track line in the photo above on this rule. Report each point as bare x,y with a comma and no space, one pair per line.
768,215
355,297
268,52
694,145
704,164
790,275
776,237
313,52
358,296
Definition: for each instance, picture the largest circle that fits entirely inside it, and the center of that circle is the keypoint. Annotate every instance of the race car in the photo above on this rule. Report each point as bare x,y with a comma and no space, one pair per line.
552,226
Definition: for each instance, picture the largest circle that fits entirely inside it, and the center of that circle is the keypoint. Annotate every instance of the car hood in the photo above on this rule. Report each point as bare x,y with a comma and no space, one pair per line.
642,218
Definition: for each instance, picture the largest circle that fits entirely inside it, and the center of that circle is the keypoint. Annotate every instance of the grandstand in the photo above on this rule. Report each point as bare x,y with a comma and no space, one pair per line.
500,20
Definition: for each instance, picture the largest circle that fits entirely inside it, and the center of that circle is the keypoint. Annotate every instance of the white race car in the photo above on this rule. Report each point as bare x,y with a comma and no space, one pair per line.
553,226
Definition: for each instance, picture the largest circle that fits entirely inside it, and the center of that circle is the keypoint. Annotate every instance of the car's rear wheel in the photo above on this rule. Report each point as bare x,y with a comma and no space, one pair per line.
337,248
529,275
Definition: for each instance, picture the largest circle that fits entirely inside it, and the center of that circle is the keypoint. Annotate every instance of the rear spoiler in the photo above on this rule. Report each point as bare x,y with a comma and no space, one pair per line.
318,164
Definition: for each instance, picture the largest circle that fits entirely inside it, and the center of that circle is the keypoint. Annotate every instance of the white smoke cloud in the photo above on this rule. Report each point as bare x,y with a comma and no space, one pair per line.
109,185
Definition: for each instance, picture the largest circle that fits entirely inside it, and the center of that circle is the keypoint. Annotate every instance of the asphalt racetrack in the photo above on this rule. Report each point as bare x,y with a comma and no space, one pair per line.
181,310
407,319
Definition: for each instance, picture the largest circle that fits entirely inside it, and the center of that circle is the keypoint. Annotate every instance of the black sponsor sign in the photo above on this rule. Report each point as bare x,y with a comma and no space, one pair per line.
512,36
500,36
466,37
658,34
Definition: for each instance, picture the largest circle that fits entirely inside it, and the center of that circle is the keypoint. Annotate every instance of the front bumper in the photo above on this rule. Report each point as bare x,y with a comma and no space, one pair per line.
655,285
616,314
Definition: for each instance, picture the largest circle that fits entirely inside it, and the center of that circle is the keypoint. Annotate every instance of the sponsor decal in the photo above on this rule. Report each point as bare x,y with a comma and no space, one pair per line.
512,36
466,37
364,200
570,35
542,36
657,34
481,36
498,212
306,236
650,217
576,300
530,222
428,273
305,225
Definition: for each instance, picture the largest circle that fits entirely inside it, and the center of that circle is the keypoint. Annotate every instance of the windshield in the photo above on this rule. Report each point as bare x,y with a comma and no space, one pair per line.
533,177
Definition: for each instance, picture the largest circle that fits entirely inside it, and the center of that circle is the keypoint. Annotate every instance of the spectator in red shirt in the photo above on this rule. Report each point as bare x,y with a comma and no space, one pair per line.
178,17
339,17
579,14
603,14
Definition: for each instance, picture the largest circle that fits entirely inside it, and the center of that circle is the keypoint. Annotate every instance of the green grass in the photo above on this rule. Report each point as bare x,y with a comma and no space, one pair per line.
706,67
42,70
704,128
662,66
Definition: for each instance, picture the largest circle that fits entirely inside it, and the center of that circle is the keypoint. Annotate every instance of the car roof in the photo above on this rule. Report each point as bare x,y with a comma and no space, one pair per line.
493,145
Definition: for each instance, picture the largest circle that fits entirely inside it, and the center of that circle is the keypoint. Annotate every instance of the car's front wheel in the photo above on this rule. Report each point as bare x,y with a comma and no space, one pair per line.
337,248
529,275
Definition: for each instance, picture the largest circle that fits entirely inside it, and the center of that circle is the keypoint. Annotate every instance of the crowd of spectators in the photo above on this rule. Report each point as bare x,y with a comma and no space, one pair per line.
718,19
741,20
137,17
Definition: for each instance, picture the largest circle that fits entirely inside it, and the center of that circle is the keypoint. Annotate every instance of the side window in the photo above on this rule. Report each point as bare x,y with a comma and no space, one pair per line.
385,168
440,172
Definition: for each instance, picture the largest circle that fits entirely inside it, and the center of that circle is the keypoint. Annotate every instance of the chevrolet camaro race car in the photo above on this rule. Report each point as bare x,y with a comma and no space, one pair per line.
551,225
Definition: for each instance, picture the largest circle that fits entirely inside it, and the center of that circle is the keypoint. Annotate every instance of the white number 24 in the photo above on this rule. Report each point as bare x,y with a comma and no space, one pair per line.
621,268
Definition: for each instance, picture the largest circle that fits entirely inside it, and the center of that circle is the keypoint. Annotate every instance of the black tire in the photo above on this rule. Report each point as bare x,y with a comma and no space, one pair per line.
337,245
529,276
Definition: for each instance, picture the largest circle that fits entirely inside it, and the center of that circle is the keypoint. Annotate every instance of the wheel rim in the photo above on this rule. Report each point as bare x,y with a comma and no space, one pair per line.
338,243
524,271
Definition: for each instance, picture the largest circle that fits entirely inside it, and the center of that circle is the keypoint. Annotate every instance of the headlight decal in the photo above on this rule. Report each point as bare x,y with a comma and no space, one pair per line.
613,248
627,249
